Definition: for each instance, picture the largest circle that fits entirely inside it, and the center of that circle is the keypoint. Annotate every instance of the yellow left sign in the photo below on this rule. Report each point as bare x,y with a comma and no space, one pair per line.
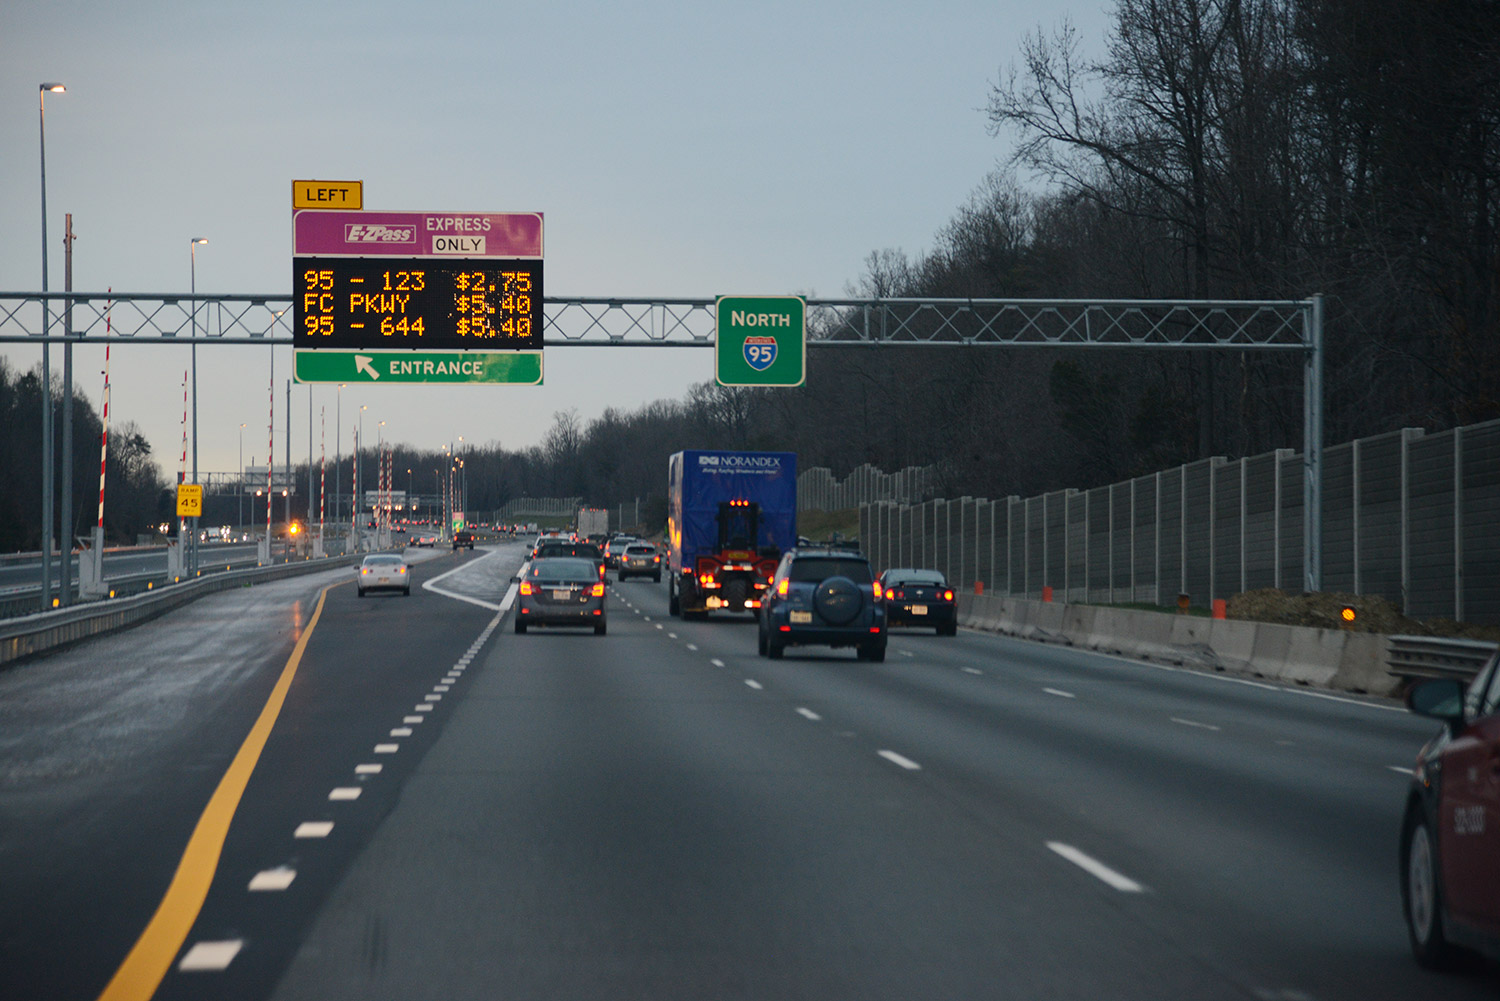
189,500
328,195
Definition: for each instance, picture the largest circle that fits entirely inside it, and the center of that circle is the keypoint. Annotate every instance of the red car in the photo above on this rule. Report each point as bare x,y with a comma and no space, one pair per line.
1450,839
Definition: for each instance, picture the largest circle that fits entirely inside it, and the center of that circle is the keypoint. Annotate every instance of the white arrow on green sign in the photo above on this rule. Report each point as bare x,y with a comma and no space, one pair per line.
383,368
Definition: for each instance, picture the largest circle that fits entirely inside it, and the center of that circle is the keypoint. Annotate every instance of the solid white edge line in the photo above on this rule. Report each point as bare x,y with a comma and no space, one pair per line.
1193,723
1401,771
898,759
1095,868
1059,693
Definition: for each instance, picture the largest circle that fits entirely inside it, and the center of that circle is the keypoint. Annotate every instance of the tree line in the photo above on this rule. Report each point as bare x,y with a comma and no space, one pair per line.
136,499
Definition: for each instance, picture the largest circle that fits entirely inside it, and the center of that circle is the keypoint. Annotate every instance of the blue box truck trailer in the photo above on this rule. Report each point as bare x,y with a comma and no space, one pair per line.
730,515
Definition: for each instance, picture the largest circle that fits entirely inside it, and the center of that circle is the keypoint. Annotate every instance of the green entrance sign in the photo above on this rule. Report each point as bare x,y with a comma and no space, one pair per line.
761,340
385,368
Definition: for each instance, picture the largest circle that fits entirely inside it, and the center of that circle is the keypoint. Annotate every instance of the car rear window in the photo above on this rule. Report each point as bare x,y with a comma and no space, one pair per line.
564,568
917,577
371,561
582,550
812,569
639,550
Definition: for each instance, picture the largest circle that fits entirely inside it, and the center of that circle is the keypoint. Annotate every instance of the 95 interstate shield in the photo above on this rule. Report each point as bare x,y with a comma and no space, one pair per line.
760,352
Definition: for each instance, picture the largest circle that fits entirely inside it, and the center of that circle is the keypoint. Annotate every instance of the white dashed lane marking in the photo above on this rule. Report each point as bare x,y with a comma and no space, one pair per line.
272,880
754,684
1194,724
345,793
901,760
804,711
1059,693
1095,868
207,956
314,829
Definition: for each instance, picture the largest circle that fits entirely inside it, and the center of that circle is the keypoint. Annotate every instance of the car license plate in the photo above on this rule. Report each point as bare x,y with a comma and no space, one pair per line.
919,609
801,618
561,595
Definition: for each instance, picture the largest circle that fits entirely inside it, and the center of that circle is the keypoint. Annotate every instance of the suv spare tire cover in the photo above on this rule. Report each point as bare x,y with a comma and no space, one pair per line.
838,600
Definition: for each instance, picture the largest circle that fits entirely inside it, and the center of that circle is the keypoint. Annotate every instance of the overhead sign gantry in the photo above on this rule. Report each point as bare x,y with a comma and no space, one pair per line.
400,292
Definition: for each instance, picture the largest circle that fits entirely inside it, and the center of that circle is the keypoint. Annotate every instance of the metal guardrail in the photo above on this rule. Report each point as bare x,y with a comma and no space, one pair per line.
33,634
1436,657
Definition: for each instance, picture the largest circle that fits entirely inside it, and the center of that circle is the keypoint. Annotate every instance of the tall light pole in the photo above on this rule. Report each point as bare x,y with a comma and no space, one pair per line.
240,484
193,289
44,90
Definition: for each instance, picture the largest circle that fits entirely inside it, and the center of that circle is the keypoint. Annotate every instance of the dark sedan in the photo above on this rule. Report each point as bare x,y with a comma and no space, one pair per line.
563,591
919,598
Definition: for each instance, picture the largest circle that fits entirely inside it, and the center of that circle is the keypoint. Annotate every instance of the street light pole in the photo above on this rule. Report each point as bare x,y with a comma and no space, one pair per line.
193,289
240,483
43,91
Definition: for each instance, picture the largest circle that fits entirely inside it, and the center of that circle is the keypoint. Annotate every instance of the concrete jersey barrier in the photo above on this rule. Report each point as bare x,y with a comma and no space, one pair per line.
1324,658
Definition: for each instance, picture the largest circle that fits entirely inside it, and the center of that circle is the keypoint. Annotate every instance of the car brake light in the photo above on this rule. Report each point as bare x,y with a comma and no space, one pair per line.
526,587
598,590
947,595
707,578
781,588
877,590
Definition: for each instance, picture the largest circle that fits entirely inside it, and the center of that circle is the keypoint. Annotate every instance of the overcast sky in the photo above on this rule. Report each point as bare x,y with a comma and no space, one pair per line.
676,150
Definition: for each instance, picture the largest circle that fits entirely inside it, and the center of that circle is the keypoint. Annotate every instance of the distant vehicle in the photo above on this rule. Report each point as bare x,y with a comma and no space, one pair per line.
1450,837
560,591
640,559
615,548
425,538
383,572
592,521
730,516
463,539
919,598
823,597
550,549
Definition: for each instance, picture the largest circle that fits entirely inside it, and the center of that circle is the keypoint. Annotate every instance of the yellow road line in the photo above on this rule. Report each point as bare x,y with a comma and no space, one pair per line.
151,957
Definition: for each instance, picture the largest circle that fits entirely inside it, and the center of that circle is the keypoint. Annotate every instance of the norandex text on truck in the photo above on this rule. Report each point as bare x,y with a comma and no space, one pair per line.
730,515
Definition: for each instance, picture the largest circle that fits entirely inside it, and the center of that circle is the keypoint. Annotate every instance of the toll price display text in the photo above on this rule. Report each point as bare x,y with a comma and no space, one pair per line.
358,302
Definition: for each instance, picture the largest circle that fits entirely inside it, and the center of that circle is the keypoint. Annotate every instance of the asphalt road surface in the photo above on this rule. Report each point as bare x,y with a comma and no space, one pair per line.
444,809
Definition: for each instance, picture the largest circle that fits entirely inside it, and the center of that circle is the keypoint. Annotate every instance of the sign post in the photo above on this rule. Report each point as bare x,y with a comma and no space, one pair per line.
760,340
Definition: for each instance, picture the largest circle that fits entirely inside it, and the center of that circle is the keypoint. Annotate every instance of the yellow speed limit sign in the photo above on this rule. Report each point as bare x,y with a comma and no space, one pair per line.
189,500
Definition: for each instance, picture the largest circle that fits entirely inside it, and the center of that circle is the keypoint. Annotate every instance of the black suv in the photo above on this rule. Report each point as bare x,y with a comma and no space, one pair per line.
823,597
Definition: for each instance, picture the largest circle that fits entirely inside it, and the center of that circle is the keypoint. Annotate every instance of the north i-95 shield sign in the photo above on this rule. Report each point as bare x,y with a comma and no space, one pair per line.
761,340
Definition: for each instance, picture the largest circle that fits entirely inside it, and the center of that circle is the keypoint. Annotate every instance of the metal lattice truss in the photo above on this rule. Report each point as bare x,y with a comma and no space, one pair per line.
247,319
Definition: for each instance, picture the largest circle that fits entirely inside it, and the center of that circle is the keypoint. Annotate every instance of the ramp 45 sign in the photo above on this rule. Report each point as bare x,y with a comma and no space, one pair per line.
761,340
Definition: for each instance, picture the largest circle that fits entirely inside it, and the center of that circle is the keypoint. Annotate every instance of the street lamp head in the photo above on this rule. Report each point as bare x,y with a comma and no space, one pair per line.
200,239
54,88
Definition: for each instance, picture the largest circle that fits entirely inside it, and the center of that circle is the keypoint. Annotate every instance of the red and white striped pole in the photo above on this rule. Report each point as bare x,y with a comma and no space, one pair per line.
322,471
104,436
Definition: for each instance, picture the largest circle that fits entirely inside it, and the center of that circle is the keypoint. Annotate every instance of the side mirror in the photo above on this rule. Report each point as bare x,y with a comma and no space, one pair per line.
1438,698
515,580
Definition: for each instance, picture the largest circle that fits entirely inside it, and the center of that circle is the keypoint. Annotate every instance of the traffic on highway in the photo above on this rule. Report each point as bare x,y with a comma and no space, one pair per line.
290,792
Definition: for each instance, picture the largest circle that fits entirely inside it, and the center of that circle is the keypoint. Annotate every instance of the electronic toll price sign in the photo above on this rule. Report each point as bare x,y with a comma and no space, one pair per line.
417,302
